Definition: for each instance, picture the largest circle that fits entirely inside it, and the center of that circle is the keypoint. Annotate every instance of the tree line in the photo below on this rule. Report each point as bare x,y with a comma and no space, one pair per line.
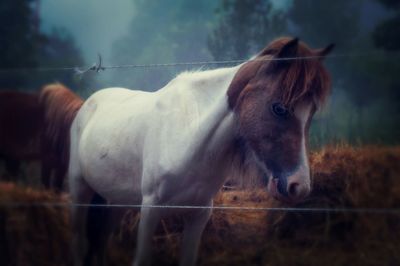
364,106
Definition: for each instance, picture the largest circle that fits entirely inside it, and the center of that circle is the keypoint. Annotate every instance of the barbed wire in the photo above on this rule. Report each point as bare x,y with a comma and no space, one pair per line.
98,67
220,207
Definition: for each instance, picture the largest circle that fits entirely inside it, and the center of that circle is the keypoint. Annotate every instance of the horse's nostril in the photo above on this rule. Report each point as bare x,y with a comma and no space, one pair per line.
293,189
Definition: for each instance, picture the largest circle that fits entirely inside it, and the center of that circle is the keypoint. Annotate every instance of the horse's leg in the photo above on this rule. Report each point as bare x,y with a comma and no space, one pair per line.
80,193
97,233
12,166
111,219
59,176
194,224
149,219
45,173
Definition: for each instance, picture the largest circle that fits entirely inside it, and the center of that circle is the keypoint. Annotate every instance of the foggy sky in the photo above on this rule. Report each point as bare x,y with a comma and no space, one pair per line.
94,24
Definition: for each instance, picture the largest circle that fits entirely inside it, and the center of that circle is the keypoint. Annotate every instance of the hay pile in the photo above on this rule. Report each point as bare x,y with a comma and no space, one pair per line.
344,177
32,235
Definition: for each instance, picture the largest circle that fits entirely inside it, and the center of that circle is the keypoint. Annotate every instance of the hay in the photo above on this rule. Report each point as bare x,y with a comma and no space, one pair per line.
32,235
343,177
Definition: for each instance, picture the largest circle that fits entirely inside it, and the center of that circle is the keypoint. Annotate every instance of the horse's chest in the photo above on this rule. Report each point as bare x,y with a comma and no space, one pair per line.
195,183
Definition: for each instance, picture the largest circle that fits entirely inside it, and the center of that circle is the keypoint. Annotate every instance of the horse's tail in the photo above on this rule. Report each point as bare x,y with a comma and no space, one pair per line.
60,106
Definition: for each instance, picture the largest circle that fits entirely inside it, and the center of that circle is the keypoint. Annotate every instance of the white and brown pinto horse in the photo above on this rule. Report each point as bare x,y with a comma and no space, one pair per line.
175,146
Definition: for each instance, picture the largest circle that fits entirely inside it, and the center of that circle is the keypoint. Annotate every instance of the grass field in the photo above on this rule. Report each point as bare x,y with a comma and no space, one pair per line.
343,177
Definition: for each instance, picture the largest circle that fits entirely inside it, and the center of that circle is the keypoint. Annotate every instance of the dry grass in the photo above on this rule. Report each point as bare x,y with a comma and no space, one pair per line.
344,177
32,235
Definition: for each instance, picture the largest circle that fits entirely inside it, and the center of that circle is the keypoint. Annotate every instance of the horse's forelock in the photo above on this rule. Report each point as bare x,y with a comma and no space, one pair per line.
302,78
305,79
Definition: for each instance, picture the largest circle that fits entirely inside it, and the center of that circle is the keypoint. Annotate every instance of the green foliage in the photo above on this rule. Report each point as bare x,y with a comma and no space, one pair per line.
59,50
23,47
390,3
161,33
387,33
18,40
364,104
322,22
244,27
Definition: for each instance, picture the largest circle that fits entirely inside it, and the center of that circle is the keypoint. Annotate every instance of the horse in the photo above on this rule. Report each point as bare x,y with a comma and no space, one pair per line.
20,129
59,107
175,146
35,126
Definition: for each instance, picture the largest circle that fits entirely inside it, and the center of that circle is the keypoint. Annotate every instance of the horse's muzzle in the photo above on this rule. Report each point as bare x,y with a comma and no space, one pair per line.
289,189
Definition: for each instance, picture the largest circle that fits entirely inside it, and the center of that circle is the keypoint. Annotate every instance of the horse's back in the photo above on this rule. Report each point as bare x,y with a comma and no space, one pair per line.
106,107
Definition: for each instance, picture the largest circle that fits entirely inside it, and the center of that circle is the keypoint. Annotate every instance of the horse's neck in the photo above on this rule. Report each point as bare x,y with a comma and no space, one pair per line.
207,92
206,86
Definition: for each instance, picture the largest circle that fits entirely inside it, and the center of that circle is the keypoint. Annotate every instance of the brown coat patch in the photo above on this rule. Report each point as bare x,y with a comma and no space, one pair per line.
288,74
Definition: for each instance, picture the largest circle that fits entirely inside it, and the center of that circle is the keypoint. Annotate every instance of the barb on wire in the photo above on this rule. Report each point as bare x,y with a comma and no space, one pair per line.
97,67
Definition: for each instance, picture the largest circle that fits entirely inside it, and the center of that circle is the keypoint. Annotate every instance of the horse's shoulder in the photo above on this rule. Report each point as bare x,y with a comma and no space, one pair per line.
111,94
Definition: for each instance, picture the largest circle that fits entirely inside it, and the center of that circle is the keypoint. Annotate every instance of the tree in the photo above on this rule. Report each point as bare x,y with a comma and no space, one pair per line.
59,50
162,32
323,22
244,27
24,48
362,84
19,41
387,34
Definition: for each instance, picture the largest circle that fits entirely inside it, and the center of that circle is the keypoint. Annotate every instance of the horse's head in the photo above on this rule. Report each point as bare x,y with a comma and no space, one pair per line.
274,98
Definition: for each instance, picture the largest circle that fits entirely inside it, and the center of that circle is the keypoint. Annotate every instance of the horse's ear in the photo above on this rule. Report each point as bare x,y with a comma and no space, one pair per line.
323,52
289,50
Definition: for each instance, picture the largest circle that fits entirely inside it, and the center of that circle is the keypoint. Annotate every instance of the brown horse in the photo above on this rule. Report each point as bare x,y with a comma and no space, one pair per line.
21,126
59,105
36,127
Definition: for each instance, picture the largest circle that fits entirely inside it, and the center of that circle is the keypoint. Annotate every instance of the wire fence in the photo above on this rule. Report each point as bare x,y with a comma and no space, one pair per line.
98,67
193,207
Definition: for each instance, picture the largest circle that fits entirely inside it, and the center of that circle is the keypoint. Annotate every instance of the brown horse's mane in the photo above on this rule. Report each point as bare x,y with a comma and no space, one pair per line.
302,78
60,106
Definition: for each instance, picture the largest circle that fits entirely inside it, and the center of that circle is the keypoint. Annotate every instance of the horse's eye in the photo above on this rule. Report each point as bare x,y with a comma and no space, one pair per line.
279,110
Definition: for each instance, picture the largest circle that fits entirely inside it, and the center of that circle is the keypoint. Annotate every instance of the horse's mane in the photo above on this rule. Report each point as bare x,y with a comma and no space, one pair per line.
60,106
302,78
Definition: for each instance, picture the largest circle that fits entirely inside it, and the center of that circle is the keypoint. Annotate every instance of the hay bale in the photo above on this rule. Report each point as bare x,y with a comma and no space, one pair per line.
32,235
343,177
